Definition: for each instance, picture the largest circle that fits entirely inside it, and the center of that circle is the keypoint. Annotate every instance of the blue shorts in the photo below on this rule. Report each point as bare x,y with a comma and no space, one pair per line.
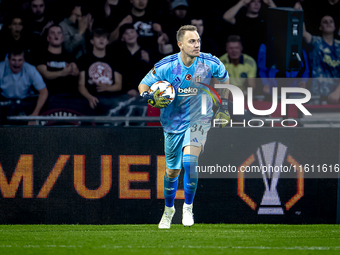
196,135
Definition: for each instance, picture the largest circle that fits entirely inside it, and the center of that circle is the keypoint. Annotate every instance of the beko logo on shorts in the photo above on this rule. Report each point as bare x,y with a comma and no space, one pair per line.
187,92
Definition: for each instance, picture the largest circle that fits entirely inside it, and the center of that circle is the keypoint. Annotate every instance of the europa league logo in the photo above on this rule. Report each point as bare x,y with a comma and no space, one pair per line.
271,160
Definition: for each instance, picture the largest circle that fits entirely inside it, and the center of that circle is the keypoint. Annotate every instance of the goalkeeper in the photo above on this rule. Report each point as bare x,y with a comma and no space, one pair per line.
186,120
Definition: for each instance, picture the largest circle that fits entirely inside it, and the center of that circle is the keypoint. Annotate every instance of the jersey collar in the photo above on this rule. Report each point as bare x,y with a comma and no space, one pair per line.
182,64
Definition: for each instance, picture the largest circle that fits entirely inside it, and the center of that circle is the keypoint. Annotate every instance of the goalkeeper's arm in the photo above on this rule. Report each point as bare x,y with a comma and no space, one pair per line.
142,88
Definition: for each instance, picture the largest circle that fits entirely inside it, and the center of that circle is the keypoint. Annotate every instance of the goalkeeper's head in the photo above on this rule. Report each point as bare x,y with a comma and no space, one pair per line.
189,41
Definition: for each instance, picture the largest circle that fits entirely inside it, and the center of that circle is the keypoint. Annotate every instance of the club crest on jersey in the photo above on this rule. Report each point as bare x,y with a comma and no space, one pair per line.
198,78
188,77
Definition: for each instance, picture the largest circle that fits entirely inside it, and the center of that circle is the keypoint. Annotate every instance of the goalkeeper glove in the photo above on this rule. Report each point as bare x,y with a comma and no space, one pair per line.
222,113
155,100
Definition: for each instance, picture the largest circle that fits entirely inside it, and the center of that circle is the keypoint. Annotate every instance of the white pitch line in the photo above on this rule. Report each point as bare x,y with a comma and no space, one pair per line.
171,246
284,248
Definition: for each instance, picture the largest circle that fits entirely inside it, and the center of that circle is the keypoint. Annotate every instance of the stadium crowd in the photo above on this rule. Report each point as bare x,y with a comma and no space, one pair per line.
87,57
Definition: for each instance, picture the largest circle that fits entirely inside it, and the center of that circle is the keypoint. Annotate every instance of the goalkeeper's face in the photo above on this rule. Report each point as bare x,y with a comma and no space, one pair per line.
191,44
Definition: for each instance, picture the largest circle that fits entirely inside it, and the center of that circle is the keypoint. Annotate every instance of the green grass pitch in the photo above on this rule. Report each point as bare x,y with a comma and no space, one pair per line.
147,239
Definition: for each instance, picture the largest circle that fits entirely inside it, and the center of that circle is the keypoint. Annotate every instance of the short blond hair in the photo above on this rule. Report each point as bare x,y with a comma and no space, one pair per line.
181,31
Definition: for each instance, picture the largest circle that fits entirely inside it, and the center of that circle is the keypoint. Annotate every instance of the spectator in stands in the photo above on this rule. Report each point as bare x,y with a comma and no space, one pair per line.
143,22
207,44
135,58
214,25
100,77
313,12
164,13
15,84
168,25
37,22
56,66
74,28
325,59
108,14
249,24
241,67
13,36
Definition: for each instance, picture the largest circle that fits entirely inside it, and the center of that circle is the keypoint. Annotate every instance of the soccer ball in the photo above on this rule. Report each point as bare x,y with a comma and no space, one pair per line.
166,89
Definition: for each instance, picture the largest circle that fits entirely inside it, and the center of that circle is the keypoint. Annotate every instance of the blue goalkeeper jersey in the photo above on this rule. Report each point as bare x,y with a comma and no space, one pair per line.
190,84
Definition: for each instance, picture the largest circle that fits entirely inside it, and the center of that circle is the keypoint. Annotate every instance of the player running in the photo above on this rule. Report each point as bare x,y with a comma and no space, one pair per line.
185,127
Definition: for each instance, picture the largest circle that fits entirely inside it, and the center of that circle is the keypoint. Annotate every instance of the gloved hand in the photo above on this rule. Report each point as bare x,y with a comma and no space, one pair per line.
222,113
155,100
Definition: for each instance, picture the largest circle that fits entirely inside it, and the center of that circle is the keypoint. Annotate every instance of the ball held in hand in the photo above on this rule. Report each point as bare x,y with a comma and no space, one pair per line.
166,90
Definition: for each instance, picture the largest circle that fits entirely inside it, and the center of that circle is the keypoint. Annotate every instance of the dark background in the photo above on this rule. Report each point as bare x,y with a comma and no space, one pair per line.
216,199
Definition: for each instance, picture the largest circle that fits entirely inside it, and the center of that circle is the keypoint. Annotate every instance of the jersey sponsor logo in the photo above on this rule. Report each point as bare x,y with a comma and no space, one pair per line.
187,92
328,60
188,77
